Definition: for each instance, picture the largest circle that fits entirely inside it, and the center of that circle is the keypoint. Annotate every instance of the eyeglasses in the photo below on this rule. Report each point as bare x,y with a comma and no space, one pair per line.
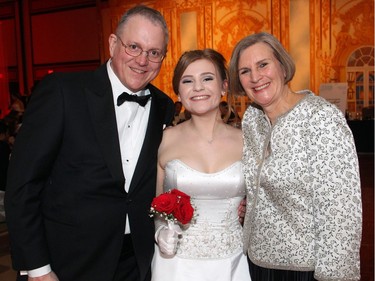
134,50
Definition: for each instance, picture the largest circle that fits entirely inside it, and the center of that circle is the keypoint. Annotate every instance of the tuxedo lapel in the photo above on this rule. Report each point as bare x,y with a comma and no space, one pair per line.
148,155
100,100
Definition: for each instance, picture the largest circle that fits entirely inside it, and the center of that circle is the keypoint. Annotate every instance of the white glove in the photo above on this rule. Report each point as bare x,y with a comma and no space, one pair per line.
167,238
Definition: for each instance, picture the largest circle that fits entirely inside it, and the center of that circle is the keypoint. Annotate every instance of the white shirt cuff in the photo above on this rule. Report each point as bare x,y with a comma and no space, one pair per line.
37,272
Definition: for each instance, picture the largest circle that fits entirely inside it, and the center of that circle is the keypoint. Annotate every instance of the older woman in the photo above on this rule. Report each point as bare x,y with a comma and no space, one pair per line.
304,216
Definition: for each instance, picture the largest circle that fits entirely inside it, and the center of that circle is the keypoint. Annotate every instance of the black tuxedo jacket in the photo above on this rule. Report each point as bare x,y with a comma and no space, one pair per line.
65,199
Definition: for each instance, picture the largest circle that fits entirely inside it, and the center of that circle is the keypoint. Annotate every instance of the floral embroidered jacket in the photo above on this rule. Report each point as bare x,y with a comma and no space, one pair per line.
304,208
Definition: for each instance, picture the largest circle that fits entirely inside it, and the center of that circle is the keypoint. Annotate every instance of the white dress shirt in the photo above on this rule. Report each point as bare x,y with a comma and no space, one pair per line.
132,120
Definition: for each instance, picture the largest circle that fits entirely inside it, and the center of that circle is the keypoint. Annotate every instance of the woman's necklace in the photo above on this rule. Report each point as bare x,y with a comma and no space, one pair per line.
209,140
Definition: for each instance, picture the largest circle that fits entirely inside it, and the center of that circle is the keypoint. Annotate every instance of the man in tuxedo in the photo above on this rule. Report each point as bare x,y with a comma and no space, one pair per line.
82,173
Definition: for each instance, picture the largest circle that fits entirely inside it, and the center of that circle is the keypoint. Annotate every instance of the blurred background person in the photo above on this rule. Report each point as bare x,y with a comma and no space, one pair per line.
178,108
5,151
229,114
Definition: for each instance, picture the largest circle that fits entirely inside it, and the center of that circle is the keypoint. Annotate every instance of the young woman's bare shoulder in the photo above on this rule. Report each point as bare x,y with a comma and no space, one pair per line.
170,145
170,136
172,132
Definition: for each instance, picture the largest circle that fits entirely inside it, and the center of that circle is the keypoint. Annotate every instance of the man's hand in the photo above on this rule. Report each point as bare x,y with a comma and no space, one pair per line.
47,277
242,211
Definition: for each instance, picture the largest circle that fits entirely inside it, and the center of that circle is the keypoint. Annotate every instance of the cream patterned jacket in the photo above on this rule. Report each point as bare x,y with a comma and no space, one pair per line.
304,209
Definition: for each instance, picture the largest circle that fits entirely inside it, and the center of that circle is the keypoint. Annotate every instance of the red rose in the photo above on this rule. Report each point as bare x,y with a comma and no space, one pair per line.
180,194
174,205
183,211
164,203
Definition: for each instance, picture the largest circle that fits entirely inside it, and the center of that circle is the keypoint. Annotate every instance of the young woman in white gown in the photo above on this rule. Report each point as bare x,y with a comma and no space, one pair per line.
202,157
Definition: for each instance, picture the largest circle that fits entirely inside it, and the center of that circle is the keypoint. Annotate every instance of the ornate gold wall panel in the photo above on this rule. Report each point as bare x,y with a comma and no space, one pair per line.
337,28
220,24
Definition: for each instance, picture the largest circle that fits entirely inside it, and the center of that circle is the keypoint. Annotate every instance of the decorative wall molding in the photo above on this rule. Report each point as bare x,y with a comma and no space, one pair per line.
332,31
220,25
337,29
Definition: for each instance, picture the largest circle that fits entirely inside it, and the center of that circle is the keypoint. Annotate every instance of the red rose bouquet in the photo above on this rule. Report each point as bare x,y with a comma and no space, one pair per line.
174,205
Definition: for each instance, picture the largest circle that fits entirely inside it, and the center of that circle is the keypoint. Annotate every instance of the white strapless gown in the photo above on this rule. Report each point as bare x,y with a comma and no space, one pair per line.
211,247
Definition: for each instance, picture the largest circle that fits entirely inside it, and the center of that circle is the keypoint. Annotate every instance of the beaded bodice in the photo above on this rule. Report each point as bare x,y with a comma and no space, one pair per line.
215,231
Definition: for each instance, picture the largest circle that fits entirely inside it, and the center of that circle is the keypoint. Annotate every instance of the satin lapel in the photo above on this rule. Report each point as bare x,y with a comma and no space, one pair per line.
100,100
148,156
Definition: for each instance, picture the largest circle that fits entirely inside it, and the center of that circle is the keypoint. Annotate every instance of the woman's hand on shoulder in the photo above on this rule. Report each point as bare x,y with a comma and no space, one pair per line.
242,210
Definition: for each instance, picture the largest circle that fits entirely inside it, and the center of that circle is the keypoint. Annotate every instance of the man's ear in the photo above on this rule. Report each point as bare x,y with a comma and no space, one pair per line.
112,40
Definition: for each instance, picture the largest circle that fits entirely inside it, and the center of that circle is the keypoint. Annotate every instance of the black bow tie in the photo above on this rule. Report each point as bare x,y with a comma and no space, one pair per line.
141,100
